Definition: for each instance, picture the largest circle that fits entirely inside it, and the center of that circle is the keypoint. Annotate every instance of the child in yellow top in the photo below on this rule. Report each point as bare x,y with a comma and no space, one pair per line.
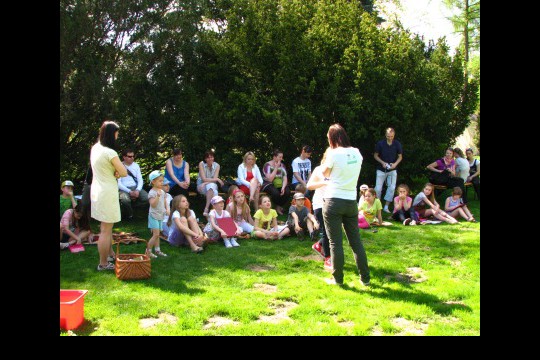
371,208
266,226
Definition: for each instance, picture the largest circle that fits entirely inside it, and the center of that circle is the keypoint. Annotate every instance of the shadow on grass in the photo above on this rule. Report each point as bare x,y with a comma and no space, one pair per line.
86,328
408,295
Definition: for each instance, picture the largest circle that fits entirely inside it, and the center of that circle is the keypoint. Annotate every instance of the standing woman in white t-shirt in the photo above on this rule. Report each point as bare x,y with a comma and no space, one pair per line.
342,167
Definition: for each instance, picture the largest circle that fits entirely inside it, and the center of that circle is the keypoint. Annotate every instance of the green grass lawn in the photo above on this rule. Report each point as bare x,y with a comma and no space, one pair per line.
425,280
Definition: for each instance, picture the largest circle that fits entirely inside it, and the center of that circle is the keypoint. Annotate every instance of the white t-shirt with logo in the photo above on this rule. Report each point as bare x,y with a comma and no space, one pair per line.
302,167
345,165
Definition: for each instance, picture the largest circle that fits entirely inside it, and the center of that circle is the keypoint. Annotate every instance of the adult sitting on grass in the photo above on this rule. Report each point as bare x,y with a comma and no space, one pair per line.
208,180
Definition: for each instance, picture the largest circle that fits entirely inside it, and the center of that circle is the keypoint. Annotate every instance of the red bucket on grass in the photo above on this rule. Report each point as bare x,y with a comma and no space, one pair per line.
71,308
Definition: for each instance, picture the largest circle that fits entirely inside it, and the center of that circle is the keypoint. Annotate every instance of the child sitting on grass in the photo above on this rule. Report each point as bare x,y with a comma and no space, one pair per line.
240,211
183,227
230,196
212,229
74,227
363,189
67,200
371,209
301,189
301,220
266,226
455,206
403,209
156,212
425,199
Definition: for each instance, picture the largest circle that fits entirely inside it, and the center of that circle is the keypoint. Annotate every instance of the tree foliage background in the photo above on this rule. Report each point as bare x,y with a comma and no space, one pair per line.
252,75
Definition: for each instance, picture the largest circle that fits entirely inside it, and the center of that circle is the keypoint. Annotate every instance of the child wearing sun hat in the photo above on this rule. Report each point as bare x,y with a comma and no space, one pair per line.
363,190
212,229
67,200
159,207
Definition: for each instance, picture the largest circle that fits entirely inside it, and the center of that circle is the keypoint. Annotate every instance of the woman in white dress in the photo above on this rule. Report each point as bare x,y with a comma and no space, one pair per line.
104,198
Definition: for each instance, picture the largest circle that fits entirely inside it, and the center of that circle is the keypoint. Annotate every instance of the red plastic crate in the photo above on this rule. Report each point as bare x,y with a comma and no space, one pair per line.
71,308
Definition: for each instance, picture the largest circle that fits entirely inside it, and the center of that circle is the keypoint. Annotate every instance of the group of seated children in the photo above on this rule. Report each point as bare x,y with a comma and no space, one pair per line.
182,228
412,211
263,224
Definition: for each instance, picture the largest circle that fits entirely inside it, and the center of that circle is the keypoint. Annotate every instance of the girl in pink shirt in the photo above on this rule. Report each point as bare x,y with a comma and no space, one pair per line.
403,209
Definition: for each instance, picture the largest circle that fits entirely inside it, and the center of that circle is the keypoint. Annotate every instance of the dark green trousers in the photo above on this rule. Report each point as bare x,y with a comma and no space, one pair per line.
341,214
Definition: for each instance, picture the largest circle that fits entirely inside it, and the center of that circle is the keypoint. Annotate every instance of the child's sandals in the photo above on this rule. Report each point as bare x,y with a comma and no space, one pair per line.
472,219
160,253
150,254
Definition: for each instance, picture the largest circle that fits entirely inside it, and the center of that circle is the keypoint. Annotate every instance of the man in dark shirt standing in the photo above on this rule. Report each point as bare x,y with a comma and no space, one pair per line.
388,154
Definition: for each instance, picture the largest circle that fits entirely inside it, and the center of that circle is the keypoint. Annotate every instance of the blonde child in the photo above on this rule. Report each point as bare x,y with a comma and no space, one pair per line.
230,192
427,198
363,189
371,208
156,212
181,231
212,229
164,233
240,212
455,206
67,200
403,209
301,220
266,226
301,189
74,227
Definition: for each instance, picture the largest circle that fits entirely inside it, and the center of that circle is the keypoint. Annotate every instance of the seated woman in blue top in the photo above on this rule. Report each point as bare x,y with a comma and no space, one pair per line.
177,172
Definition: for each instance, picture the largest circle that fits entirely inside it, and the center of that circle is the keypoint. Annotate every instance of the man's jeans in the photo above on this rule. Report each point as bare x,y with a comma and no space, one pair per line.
390,177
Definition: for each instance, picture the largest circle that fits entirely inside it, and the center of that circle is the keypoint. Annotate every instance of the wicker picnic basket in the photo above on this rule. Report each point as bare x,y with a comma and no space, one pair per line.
132,266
